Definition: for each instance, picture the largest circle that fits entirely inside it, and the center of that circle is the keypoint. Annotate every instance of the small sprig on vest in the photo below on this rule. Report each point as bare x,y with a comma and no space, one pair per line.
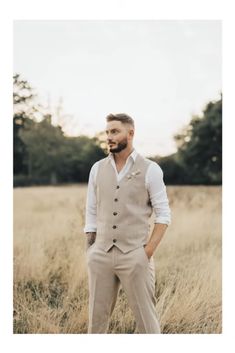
133,174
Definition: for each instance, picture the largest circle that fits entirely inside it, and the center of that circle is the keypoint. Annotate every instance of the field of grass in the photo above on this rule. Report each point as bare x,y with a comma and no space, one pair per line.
50,275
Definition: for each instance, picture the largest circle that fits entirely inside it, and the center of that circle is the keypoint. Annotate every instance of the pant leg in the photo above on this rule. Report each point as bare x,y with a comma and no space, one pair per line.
137,276
103,289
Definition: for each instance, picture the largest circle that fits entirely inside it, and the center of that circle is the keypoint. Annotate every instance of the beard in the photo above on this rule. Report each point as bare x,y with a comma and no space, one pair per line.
120,146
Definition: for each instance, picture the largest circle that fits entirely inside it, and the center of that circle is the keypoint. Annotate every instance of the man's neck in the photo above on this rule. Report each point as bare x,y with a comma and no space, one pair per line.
122,156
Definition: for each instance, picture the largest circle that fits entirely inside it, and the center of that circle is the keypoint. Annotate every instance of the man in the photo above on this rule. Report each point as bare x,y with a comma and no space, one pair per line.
123,190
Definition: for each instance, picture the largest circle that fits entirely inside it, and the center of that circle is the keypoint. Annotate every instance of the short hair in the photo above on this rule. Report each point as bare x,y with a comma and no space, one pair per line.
124,118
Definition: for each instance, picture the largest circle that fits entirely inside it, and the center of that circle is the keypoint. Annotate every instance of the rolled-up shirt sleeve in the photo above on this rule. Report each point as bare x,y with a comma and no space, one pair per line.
90,214
158,195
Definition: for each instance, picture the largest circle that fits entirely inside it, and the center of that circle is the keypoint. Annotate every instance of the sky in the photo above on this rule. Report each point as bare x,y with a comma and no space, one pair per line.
160,72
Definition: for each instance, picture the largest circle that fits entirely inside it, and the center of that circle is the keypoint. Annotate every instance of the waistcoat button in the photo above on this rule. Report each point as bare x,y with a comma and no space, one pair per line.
114,213
118,187
114,227
116,200
114,240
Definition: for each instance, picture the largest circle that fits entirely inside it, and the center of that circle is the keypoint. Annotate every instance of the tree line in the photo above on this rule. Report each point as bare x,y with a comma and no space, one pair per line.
43,154
198,159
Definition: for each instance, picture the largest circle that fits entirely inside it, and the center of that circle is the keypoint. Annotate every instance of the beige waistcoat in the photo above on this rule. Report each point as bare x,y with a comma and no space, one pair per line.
123,208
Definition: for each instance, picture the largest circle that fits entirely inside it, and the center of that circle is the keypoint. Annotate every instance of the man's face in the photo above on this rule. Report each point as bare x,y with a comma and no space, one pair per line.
118,136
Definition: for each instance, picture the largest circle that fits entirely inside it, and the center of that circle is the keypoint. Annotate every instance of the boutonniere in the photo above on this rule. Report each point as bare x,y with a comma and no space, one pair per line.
133,174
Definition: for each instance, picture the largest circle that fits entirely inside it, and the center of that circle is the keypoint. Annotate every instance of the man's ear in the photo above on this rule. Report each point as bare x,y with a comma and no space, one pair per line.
131,132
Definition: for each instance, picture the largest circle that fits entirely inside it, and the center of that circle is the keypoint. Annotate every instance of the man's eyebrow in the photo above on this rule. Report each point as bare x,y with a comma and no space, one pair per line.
113,129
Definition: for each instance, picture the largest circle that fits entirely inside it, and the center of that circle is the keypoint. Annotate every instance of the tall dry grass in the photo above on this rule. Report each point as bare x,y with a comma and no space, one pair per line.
50,276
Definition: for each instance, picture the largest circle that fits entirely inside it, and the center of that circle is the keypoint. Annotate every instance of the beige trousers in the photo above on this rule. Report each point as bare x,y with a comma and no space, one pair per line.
135,272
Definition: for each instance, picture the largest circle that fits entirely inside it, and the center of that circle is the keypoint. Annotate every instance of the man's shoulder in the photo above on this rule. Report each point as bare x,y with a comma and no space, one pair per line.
152,165
103,160
149,161
100,161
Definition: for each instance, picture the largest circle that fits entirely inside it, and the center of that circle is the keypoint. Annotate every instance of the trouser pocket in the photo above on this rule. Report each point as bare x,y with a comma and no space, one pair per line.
146,256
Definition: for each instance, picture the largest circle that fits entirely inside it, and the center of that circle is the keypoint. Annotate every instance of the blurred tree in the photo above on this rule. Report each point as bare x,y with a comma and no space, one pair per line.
200,146
42,153
198,159
25,111
45,149
80,154
19,150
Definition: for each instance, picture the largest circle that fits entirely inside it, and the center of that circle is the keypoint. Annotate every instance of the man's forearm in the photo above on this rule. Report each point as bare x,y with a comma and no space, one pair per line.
157,234
90,238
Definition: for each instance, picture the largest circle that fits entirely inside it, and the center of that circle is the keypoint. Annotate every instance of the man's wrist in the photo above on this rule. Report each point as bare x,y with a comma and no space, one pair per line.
149,249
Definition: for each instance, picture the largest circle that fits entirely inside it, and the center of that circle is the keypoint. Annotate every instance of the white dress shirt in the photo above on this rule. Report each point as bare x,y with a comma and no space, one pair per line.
153,182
